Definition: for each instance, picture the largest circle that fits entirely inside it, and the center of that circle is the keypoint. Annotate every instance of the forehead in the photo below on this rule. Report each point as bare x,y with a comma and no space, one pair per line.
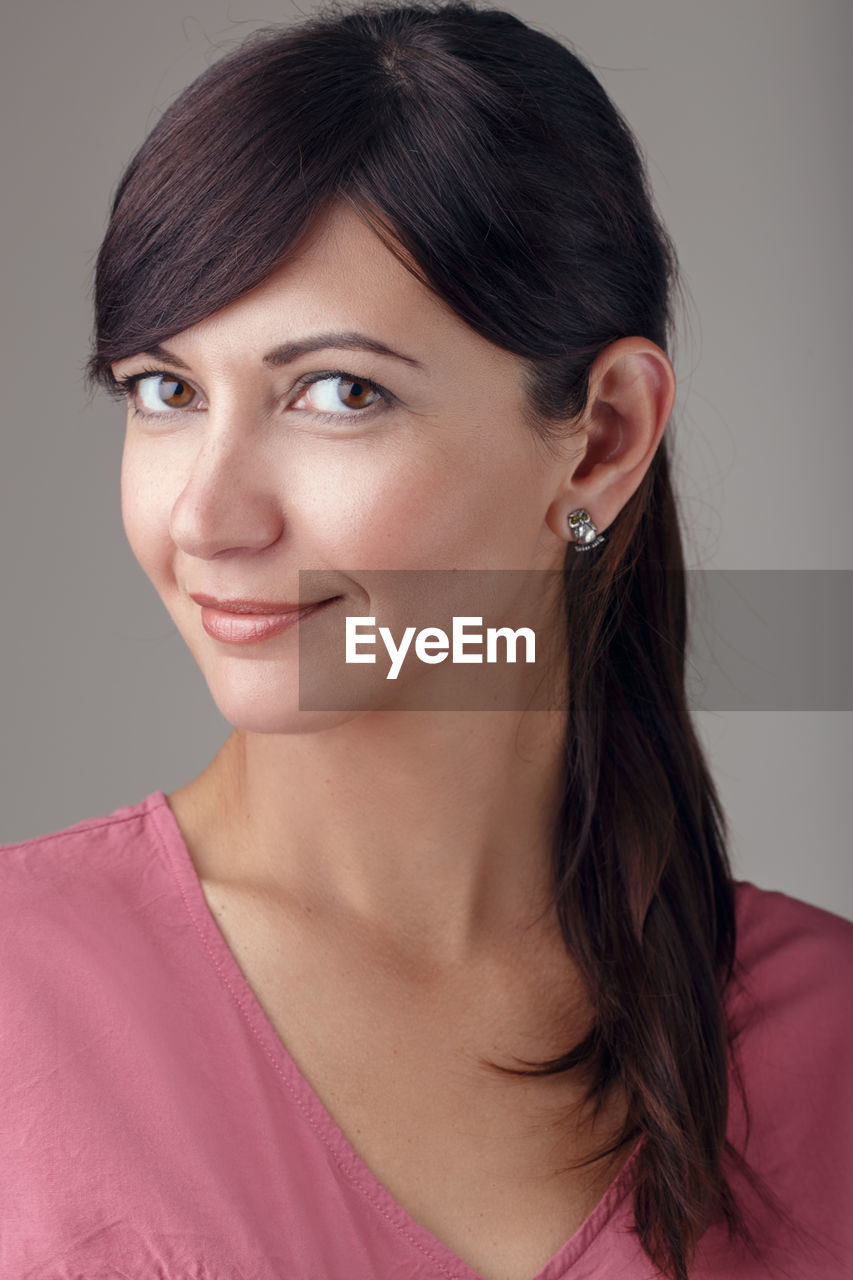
341,271
342,278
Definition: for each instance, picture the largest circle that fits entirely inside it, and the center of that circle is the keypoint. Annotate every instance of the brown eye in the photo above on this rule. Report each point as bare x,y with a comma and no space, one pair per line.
177,395
355,395
337,392
159,391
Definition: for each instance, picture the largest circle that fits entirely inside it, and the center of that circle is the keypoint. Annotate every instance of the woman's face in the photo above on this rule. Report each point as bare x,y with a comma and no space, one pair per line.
273,439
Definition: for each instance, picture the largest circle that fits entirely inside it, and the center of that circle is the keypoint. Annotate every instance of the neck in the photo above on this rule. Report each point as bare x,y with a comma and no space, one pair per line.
431,832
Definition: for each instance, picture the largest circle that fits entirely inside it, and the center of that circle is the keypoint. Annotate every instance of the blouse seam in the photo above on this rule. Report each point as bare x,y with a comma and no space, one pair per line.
83,827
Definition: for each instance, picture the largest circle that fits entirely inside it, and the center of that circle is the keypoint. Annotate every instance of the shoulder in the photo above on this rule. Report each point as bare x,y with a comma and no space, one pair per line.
791,1004
791,950
762,912
72,869
77,910
791,1110
86,833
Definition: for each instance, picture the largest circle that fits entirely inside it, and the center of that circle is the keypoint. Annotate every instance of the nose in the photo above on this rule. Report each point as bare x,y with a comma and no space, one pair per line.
230,501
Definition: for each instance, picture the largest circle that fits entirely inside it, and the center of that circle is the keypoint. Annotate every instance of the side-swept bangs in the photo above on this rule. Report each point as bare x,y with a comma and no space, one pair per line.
484,181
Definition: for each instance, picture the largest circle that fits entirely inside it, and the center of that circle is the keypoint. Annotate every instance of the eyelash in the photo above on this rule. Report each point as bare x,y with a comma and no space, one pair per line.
127,385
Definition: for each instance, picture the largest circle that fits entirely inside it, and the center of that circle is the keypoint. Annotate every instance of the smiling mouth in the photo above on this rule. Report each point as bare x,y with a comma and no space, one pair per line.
267,608
249,625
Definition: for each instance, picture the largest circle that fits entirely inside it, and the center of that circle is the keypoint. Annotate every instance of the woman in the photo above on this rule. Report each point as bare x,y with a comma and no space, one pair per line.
395,987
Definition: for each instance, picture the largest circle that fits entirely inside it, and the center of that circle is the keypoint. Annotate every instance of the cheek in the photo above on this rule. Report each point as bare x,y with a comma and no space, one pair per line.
359,508
145,516
409,511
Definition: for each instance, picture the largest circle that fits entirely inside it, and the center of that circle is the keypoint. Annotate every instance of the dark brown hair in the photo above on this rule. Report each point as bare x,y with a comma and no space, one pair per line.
490,159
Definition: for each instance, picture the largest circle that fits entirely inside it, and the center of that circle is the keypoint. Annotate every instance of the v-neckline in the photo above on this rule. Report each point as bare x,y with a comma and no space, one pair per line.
347,1159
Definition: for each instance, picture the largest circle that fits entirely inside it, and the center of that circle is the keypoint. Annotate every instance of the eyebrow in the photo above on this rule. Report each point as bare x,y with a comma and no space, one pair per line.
290,351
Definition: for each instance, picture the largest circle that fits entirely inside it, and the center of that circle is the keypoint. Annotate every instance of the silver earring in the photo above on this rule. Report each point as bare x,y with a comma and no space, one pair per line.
585,533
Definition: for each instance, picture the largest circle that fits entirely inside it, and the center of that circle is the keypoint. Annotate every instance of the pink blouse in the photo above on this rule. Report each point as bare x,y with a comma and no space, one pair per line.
154,1127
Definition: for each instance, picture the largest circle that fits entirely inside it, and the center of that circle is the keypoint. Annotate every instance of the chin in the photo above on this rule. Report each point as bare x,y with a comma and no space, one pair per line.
256,707
300,722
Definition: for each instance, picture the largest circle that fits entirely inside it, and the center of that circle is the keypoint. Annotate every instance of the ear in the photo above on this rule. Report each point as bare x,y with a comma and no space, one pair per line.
630,399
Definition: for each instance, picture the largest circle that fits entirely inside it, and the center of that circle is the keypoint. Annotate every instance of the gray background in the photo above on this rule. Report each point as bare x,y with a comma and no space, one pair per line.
743,108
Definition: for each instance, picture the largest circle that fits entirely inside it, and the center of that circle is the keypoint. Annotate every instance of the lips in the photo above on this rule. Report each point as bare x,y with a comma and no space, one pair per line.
250,621
266,607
